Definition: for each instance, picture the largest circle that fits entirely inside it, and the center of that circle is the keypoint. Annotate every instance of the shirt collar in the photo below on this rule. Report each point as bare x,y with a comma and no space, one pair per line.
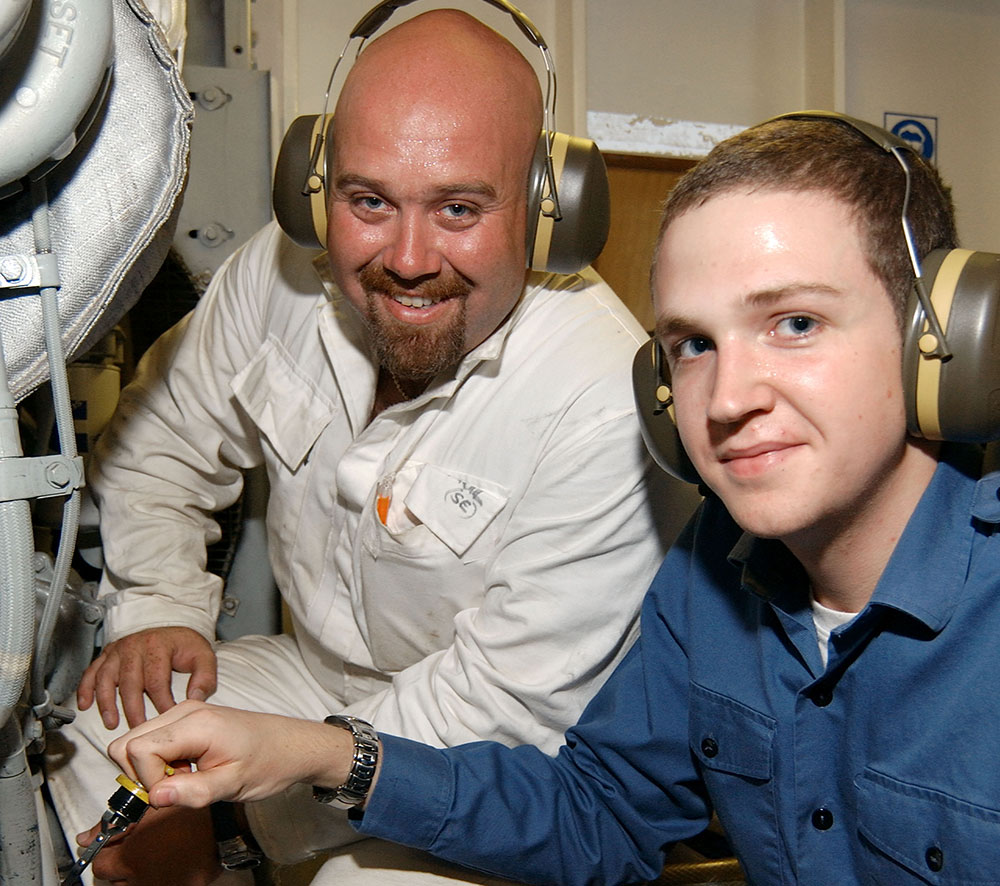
936,544
770,571
937,541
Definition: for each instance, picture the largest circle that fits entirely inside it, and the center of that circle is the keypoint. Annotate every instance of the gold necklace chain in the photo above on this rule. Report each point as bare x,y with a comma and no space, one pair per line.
398,386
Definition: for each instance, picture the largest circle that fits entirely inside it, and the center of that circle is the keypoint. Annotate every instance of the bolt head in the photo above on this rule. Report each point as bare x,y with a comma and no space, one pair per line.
12,269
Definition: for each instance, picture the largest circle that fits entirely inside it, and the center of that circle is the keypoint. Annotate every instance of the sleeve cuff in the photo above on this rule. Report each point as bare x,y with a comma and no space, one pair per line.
411,797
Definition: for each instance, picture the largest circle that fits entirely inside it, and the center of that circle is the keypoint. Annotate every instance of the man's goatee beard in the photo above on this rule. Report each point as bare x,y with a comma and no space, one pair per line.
405,350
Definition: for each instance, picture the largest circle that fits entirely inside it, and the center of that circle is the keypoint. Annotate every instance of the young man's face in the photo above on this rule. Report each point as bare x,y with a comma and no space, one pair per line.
784,351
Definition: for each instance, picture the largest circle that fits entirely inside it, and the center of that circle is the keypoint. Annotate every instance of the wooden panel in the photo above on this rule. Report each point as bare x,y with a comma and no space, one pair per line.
639,185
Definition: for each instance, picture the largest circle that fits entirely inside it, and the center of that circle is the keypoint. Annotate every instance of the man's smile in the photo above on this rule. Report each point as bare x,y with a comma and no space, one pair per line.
416,301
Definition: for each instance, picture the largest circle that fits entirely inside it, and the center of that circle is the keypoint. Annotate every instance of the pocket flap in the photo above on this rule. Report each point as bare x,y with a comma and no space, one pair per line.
728,736
285,405
454,506
935,835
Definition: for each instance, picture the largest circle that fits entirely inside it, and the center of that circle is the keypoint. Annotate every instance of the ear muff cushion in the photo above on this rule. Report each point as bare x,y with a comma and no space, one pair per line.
957,399
659,432
301,216
568,245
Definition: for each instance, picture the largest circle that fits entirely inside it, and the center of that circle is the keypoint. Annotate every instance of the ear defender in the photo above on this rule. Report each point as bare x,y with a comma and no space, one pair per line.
564,245
956,399
569,204
654,407
567,236
298,195
951,346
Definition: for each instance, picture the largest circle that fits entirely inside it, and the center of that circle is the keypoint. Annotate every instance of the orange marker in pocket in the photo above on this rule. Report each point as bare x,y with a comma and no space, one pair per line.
383,497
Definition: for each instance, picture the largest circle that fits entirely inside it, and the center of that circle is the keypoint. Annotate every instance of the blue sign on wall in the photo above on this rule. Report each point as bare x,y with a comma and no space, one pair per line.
919,131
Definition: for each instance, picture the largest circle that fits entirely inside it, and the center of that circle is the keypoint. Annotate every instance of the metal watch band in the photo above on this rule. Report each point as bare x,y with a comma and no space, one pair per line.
238,850
355,790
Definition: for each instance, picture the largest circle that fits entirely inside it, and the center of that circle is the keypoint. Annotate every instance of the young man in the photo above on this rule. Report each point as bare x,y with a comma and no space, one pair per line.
816,660
459,518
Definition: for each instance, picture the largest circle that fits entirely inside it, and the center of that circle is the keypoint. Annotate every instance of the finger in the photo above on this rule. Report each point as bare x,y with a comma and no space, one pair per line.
203,682
106,690
118,749
156,674
87,837
128,750
167,785
131,688
85,689
195,790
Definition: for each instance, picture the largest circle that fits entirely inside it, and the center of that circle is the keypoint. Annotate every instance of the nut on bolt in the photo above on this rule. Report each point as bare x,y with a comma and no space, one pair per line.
58,475
13,269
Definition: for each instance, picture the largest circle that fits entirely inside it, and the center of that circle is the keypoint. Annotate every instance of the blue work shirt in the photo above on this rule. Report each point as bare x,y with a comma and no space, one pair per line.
884,767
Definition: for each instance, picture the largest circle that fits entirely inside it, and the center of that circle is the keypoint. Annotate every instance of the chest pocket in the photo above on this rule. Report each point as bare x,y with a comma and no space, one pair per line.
424,567
919,835
734,744
285,405
291,414
455,507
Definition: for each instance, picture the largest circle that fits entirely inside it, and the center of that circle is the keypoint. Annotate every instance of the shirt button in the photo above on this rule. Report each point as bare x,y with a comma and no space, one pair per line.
934,858
822,697
709,747
822,819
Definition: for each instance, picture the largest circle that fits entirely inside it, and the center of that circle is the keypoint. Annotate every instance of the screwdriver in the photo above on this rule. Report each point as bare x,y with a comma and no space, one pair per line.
125,807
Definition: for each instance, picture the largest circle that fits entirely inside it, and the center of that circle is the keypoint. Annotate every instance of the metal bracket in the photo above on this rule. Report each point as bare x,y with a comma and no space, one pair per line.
29,271
45,476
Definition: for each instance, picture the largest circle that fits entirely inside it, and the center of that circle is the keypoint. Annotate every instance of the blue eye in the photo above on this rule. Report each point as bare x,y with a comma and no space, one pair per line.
797,326
372,202
693,347
457,210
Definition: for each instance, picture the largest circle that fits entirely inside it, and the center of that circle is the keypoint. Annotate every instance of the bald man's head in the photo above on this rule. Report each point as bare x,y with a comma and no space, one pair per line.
434,134
443,70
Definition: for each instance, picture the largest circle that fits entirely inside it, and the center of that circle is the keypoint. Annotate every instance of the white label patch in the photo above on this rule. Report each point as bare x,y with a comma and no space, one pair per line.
455,507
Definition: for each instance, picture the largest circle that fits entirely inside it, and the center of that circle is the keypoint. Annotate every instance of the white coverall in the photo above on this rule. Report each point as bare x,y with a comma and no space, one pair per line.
505,583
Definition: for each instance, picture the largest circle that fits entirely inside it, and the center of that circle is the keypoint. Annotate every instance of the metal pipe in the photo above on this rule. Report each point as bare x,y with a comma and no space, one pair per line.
21,858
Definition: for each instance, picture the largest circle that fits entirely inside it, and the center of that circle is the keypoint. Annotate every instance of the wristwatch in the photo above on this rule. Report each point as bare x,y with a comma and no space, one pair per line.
355,790
237,848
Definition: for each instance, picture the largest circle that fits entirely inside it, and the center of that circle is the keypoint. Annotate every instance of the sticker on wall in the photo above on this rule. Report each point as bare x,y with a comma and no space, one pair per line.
921,132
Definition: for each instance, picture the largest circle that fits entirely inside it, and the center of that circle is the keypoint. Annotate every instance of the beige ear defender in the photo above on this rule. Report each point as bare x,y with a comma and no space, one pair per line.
956,398
569,205
951,348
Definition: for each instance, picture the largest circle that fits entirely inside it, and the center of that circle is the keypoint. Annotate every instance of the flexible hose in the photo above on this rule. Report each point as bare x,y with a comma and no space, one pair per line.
67,446
17,581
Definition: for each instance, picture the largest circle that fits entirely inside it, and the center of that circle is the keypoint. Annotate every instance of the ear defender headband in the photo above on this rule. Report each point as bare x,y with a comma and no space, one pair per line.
569,206
951,346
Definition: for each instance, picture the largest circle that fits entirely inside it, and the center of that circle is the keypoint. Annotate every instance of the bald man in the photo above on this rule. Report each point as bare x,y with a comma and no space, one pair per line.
459,520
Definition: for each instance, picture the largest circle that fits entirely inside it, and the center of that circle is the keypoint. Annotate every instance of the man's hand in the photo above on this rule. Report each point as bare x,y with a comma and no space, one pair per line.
168,847
144,663
240,755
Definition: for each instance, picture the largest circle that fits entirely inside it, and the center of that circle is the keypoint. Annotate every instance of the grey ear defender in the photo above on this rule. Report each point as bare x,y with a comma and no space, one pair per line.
654,406
951,347
567,242
300,212
957,398
569,206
